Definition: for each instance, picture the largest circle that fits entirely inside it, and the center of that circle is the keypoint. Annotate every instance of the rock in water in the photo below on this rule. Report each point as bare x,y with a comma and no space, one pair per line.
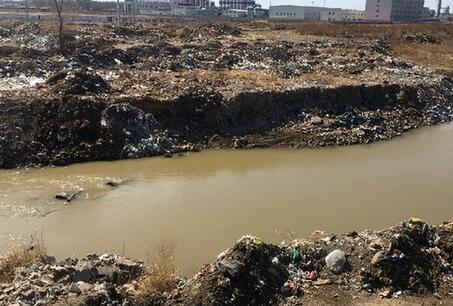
114,183
62,196
335,261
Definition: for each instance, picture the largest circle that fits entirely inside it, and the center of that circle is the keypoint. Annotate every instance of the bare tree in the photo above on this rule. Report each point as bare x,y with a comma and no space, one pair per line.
59,9
26,10
118,11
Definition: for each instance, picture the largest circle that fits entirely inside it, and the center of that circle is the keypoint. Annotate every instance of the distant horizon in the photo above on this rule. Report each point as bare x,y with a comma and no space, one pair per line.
345,4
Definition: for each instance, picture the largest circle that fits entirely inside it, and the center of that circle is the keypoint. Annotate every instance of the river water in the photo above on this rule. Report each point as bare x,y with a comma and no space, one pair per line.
204,202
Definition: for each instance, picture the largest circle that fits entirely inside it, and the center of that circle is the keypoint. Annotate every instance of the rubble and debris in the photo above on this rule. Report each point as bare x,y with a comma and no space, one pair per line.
253,272
20,82
421,38
94,278
78,82
138,90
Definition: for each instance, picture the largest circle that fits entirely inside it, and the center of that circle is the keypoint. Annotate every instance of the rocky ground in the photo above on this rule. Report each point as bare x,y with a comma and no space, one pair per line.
410,263
135,91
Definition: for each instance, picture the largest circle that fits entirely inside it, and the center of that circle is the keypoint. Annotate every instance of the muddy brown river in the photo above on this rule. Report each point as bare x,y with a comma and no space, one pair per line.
204,202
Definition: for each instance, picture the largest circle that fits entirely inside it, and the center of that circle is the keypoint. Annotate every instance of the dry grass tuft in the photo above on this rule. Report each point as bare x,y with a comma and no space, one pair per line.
435,56
287,236
160,275
22,255
376,31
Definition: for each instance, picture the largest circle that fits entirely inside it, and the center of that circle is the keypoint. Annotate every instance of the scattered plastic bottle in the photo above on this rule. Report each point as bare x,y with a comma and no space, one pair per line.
295,256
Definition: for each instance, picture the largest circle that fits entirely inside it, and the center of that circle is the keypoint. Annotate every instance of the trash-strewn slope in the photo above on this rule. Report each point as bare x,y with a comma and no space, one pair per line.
135,91
410,263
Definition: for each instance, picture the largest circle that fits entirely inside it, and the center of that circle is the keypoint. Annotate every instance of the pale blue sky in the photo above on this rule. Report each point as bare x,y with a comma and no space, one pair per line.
356,4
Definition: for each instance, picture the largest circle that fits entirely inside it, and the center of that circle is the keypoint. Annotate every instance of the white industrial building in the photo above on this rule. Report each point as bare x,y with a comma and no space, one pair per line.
314,13
394,10
250,12
428,13
309,13
353,15
190,8
232,13
331,14
446,15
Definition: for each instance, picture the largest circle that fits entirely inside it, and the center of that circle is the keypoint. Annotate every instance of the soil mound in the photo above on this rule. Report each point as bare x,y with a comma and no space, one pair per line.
78,82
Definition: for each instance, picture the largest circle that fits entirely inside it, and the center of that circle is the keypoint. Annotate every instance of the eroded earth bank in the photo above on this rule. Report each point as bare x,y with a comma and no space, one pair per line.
138,91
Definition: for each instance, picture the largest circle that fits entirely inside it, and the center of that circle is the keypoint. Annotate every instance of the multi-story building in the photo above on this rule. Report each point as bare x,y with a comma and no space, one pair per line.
428,13
148,7
331,14
250,12
446,15
308,13
190,8
314,13
353,15
394,10
236,4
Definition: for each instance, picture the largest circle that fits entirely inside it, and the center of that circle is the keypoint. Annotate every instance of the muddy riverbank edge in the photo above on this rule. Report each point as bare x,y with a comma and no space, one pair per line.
410,262
59,129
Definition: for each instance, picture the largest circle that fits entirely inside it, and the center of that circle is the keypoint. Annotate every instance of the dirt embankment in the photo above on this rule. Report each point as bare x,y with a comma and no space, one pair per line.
72,128
135,91
410,263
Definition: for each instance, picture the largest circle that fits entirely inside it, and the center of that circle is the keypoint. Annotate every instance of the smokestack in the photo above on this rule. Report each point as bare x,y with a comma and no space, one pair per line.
439,8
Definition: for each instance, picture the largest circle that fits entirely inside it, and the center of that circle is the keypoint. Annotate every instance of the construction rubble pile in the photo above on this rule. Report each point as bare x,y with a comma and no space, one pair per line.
411,259
184,88
100,279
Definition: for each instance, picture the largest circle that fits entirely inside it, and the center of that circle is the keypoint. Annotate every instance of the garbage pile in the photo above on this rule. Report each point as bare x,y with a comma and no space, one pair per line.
208,31
190,87
20,82
31,49
4,32
94,280
68,130
421,38
96,52
78,82
411,258
76,119
205,46
283,59
248,274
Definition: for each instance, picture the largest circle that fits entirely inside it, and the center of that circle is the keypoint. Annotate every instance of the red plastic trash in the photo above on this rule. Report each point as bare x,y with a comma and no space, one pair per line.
313,275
